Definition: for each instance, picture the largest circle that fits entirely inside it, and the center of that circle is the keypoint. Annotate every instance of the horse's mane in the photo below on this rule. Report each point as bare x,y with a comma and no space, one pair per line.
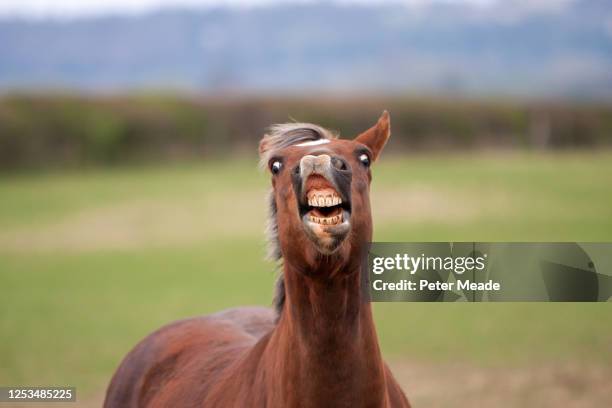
278,137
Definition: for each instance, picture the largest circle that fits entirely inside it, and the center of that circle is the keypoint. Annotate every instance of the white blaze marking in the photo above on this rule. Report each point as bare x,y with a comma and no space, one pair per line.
313,143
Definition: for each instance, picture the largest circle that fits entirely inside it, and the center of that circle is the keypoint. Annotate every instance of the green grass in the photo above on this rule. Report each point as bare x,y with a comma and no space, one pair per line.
67,318
92,261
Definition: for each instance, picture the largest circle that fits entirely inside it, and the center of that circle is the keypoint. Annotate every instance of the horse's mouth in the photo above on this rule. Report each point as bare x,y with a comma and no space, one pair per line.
324,207
325,214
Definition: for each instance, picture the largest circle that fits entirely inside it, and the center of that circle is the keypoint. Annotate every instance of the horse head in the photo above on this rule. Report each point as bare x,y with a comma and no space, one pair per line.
320,206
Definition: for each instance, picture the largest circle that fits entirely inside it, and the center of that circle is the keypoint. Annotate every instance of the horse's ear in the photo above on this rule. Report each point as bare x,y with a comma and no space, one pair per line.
376,137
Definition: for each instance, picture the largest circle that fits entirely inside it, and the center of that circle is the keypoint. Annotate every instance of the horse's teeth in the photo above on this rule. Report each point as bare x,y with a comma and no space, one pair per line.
316,199
336,219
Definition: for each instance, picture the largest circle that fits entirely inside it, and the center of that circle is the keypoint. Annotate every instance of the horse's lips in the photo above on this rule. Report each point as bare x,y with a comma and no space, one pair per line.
327,236
317,187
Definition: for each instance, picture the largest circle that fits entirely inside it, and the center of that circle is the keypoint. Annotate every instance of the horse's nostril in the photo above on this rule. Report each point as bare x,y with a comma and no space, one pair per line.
296,170
339,164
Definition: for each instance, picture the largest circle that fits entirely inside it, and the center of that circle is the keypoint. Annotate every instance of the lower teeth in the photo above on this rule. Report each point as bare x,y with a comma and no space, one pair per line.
326,220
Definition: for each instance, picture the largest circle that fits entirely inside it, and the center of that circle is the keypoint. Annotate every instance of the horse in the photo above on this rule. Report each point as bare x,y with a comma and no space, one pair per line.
319,347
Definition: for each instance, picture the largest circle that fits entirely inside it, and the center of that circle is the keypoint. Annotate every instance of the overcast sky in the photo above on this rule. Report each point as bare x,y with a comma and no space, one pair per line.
67,8
76,8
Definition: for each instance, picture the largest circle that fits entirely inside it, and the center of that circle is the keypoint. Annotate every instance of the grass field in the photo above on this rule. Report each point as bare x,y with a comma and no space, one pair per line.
92,261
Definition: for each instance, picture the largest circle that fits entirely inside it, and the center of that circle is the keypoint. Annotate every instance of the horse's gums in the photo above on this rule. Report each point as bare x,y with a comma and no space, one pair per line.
322,350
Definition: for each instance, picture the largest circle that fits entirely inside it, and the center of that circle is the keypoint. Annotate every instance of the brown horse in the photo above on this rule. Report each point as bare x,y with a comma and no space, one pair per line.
319,349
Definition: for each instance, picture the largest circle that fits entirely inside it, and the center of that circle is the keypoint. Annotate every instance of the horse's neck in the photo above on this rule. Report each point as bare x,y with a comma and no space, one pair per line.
327,342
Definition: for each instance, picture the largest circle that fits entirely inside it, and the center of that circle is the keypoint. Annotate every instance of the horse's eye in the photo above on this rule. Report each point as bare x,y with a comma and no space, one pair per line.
364,159
276,166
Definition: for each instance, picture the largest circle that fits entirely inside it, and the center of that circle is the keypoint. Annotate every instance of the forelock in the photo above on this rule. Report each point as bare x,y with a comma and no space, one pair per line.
284,135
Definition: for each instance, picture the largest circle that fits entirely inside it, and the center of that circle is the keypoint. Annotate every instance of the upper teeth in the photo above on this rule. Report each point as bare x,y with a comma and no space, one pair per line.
323,199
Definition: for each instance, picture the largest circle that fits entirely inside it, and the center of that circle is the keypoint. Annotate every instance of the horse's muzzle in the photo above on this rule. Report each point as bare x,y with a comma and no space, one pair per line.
322,186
